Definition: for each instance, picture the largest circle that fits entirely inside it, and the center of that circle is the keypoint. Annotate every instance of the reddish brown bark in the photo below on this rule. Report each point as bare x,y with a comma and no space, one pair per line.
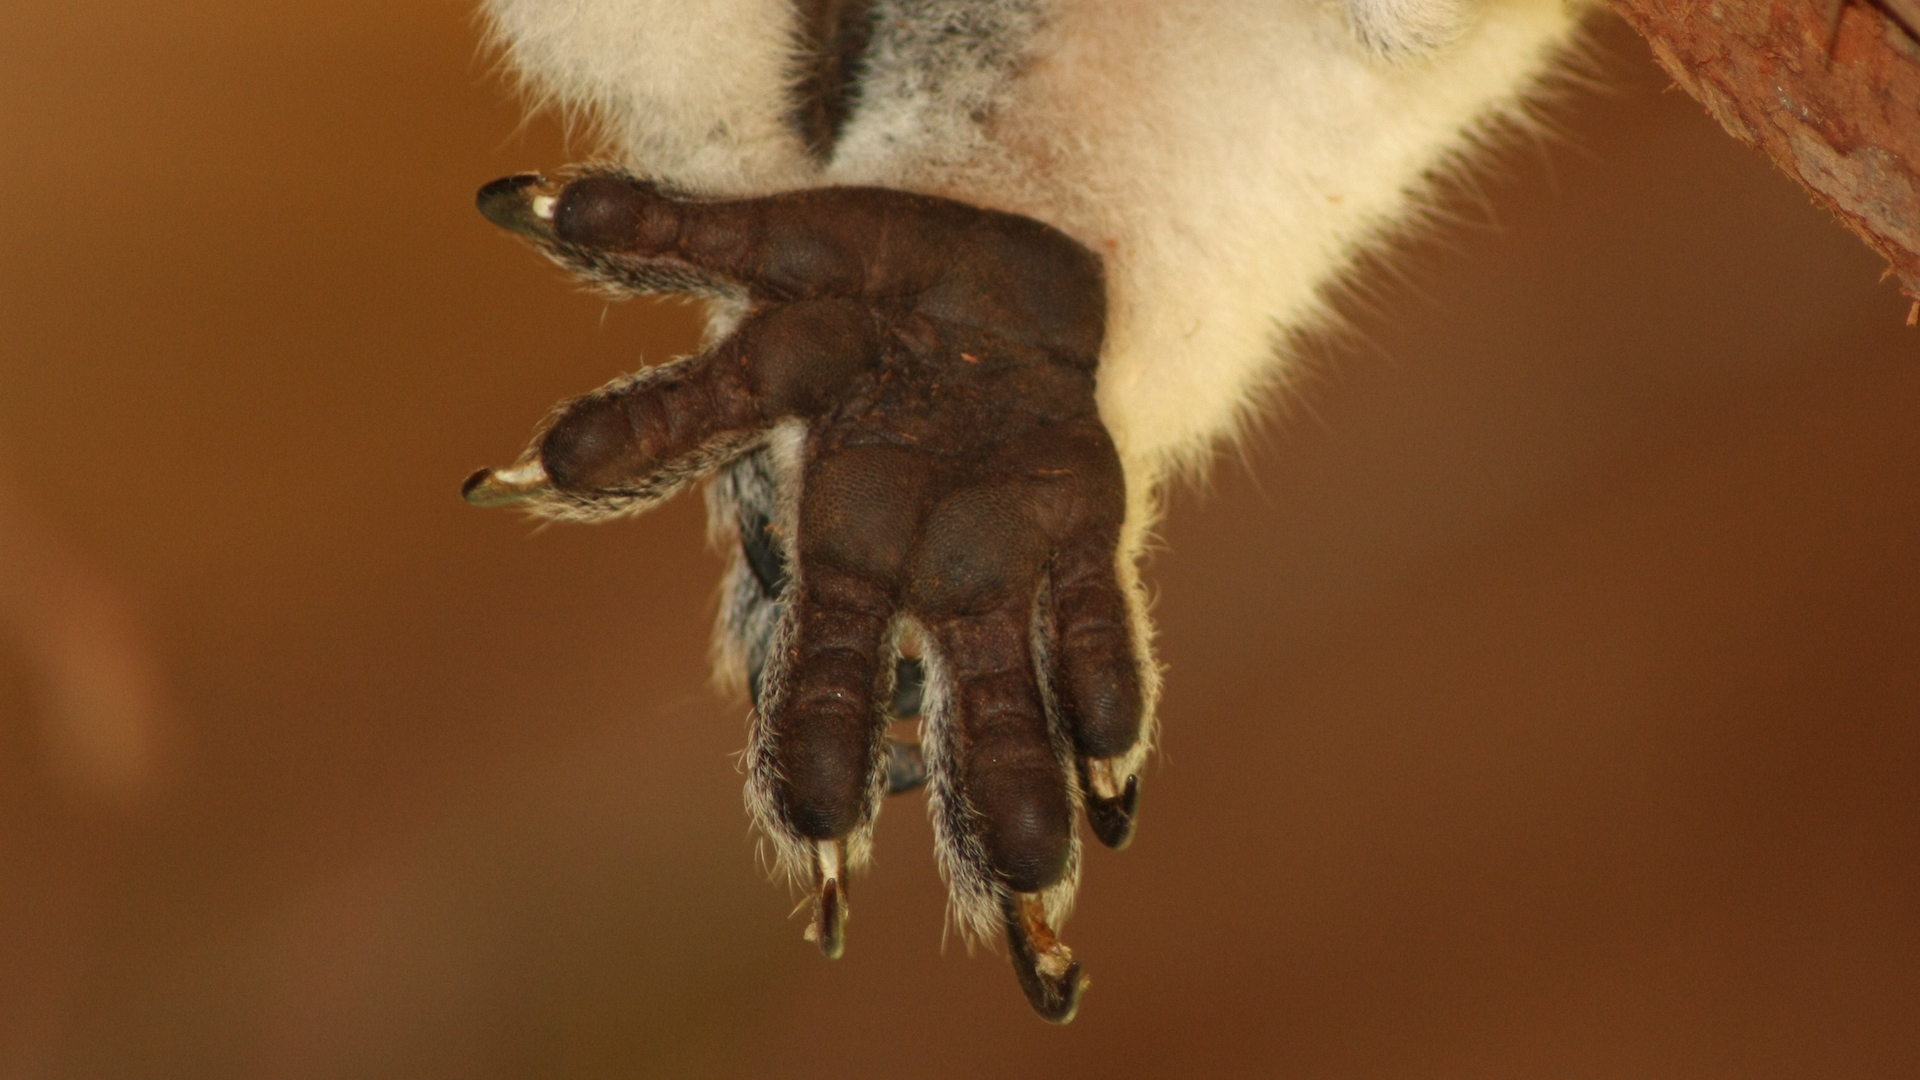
1829,89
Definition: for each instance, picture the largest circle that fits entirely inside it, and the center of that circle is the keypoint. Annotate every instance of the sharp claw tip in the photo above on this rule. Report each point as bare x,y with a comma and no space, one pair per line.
829,927
1053,980
1063,1001
507,203
503,487
470,488
1113,817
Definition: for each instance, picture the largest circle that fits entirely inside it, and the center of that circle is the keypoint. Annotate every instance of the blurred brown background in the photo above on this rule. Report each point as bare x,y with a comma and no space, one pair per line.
1545,682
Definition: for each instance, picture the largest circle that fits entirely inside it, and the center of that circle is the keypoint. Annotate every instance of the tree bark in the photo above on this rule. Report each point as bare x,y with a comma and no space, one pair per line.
1829,89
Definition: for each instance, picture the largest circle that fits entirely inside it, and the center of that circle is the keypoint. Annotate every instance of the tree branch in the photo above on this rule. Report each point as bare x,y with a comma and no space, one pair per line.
1829,89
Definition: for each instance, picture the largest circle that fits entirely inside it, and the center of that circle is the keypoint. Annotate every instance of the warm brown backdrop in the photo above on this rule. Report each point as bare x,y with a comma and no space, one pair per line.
1545,694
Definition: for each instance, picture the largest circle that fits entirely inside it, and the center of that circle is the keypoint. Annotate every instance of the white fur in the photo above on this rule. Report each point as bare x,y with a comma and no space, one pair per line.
695,92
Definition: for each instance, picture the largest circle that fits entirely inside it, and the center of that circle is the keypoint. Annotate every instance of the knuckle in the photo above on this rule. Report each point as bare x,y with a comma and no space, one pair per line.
1031,281
590,447
605,210
804,353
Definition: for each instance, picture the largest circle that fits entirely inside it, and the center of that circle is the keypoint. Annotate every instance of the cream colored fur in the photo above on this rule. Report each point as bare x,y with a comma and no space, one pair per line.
1227,158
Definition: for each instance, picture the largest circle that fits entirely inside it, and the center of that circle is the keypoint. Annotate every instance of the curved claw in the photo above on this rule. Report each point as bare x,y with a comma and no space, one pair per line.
1045,966
522,203
1112,809
829,926
505,487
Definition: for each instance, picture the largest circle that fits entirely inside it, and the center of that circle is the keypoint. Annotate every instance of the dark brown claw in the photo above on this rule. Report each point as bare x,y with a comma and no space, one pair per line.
511,201
1112,817
905,424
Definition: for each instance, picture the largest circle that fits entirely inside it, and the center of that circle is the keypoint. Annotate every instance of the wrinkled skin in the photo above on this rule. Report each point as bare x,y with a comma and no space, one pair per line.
953,478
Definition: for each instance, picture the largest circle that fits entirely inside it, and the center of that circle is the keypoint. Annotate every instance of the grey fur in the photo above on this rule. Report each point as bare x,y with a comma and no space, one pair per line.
934,72
746,491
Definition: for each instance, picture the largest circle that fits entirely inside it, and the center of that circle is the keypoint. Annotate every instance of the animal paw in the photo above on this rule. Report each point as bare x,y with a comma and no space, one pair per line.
901,418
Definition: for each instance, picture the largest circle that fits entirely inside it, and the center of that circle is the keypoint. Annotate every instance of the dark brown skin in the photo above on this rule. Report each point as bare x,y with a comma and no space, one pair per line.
942,359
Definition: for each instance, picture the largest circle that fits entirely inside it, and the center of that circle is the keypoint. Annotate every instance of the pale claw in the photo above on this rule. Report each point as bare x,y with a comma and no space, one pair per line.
829,926
504,487
1048,972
